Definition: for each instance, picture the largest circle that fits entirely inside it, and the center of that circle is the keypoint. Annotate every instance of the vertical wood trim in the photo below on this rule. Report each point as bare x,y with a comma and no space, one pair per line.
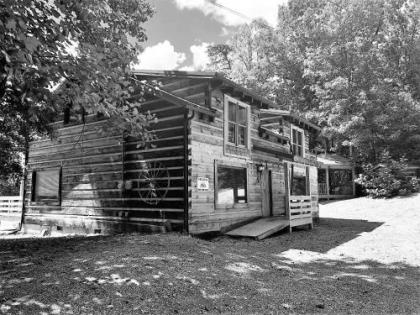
270,191
60,176
215,183
249,127
186,170
327,179
225,122
308,182
287,190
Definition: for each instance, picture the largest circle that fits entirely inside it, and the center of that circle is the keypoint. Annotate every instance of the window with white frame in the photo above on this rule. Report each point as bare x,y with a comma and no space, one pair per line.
236,122
298,141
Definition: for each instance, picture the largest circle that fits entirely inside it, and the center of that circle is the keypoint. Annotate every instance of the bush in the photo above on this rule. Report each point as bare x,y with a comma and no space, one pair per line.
388,178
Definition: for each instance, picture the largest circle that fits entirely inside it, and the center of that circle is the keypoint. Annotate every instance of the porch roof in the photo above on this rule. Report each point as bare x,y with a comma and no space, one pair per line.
334,160
269,115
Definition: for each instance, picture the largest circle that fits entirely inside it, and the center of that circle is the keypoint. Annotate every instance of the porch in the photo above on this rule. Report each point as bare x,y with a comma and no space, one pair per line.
335,177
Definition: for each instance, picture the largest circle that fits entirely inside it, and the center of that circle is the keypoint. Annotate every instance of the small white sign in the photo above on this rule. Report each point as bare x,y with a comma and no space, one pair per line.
203,183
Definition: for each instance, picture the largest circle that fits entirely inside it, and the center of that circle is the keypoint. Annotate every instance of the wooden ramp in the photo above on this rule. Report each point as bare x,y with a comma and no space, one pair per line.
261,228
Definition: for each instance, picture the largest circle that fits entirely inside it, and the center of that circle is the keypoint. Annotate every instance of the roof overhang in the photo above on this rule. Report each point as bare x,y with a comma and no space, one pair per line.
267,116
216,78
178,101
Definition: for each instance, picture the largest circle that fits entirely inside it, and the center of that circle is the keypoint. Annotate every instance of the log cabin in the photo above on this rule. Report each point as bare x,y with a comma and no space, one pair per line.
222,155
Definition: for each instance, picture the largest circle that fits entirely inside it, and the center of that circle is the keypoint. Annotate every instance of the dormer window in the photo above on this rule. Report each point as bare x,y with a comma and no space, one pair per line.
236,122
298,141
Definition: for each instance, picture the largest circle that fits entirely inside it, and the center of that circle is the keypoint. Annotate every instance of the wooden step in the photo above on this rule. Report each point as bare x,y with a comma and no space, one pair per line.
261,228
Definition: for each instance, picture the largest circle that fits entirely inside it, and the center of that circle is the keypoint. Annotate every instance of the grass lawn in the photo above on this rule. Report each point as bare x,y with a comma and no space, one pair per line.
361,258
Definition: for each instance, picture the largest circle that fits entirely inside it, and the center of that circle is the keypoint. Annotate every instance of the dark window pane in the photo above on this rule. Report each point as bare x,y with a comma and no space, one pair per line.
294,136
241,135
232,133
232,112
299,137
46,185
340,182
298,181
231,185
242,115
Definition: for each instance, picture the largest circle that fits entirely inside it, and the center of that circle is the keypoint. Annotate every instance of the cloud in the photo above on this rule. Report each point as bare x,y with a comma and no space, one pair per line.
161,56
200,56
250,9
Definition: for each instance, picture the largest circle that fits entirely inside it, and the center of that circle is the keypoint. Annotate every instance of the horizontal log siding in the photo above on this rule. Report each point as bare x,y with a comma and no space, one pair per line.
95,195
206,147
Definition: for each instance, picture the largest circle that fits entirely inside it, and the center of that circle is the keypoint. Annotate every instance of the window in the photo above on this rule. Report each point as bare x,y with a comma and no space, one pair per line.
298,141
46,185
299,181
71,116
231,185
236,122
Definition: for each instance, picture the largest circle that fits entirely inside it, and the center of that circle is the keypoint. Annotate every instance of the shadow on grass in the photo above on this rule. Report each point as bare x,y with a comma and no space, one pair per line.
178,274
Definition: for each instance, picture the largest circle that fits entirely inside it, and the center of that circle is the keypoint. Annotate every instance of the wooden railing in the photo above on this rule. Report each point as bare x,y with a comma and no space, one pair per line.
322,189
300,210
10,206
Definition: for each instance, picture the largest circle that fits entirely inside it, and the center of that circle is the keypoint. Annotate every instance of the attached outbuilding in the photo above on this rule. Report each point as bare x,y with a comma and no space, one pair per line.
336,175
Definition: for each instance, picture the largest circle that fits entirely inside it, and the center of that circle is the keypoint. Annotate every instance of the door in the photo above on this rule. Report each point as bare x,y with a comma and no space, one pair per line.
267,193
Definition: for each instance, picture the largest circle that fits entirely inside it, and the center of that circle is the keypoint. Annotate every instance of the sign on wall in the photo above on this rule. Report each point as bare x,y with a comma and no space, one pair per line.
203,183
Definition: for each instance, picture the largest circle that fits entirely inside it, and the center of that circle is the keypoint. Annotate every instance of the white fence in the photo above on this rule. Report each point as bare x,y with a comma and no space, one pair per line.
10,212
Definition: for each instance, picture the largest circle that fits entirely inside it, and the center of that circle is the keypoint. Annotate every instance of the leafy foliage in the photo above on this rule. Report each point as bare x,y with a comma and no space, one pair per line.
55,54
387,178
351,66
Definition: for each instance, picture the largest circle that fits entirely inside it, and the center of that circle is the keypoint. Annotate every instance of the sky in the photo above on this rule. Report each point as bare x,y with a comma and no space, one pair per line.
180,31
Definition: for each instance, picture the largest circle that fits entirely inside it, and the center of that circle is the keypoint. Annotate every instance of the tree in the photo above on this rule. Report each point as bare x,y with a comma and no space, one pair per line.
360,74
352,66
84,47
248,57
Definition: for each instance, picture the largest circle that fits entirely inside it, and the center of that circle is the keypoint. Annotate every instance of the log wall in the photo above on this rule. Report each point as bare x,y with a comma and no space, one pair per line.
105,179
207,150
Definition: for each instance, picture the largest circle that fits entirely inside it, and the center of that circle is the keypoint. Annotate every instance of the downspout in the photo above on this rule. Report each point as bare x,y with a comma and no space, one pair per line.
187,120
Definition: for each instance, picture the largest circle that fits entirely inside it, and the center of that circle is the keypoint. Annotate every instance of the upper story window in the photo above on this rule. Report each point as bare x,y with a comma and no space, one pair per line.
236,122
298,141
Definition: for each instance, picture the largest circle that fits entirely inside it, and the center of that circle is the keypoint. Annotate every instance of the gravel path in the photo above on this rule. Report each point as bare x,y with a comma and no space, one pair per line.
357,260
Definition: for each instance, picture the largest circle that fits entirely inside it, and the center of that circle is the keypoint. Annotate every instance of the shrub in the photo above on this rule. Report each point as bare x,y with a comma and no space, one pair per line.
388,178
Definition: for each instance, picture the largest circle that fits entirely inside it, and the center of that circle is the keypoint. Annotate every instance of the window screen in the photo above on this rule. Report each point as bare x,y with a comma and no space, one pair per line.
237,124
46,184
299,181
297,142
231,185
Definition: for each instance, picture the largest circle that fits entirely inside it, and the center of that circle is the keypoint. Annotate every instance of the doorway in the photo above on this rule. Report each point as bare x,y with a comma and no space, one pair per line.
267,193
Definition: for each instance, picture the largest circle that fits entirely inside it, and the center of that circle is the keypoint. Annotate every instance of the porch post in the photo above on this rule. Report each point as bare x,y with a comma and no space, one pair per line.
327,181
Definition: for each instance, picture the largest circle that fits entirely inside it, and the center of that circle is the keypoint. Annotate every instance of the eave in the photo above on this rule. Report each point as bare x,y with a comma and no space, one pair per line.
267,116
